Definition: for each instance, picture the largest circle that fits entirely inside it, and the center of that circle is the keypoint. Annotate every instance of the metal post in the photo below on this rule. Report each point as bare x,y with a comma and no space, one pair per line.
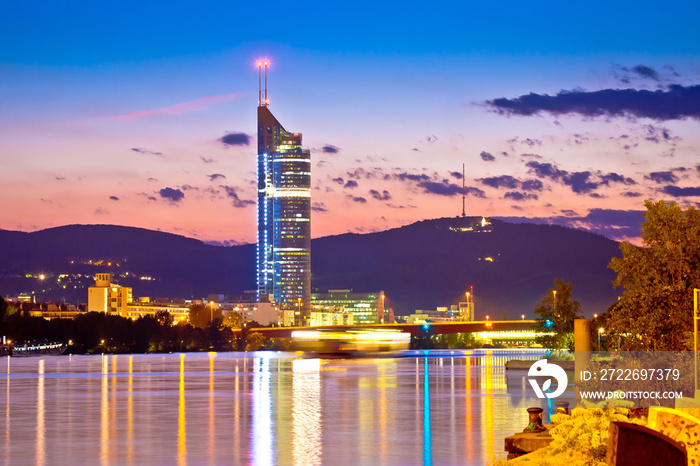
696,297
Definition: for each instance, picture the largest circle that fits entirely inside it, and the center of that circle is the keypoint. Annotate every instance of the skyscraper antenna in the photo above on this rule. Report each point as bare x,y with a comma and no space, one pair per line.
262,102
259,84
464,196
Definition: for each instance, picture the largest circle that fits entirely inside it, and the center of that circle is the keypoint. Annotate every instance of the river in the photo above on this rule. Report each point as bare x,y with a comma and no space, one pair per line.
428,407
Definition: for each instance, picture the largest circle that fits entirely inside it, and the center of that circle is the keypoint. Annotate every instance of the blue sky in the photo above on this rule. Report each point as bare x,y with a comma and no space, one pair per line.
107,106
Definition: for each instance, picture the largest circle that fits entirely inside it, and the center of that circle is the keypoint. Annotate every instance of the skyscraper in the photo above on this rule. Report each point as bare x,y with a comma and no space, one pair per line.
284,212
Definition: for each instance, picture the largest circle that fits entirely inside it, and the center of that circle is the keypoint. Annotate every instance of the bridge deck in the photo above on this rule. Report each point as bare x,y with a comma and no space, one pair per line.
433,328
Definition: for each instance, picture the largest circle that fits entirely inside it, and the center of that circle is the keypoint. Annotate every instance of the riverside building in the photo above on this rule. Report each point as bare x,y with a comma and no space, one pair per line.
284,213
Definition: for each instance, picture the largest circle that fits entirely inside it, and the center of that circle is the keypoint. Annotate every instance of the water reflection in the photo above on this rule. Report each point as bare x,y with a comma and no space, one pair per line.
427,433
104,412
181,421
212,436
269,409
306,411
262,417
40,419
7,414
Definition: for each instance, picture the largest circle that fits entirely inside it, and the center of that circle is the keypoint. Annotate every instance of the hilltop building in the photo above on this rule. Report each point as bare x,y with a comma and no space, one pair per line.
284,214
108,297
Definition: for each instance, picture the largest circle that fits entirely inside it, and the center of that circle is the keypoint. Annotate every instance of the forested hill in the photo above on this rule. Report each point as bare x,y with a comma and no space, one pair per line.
419,266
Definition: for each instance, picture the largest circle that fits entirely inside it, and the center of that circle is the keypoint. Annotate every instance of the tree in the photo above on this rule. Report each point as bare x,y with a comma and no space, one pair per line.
555,316
233,320
200,315
255,341
655,311
164,318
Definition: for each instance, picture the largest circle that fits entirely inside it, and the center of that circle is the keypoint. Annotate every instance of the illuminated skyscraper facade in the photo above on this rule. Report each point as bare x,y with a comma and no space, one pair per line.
284,215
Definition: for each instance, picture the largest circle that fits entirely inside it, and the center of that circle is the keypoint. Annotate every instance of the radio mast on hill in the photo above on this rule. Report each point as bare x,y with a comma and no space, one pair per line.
464,197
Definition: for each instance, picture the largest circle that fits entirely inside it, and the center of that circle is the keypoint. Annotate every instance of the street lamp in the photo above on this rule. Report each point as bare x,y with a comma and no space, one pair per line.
211,313
523,316
600,330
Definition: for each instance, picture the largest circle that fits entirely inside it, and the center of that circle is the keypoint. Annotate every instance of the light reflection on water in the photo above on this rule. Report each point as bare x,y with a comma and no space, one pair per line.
260,408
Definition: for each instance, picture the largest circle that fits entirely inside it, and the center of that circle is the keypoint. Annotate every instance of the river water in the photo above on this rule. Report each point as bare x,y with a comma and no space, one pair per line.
432,407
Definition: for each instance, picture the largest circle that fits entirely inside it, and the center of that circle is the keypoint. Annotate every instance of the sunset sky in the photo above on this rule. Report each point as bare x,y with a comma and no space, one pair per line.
144,113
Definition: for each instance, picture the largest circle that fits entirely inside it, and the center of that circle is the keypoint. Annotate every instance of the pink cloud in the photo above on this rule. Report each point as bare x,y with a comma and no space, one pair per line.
177,109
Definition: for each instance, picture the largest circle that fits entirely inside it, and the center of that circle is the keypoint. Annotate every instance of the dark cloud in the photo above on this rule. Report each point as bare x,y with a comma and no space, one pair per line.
319,207
518,196
569,212
216,176
330,149
676,102
359,200
503,181
534,156
532,185
579,182
173,195
457,175
235,139
448,189
60,178
616,178
411,177
662,177
206,160
442,189
383,196
659,134
677,191
152,179
546,170
370,173
141,150
531,142
235,200
338,180
646,72
487,157
114,198
614,224
431,139
631,194
351,184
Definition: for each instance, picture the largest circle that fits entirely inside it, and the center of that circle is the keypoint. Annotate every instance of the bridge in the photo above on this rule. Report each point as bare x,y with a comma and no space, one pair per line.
430,328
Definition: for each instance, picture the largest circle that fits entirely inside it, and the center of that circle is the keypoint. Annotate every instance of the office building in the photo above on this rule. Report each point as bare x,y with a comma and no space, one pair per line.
366,308
284,214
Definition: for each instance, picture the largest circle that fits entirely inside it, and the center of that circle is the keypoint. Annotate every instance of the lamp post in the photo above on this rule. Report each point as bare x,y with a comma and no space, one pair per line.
299,306
600,330
696,299
522,316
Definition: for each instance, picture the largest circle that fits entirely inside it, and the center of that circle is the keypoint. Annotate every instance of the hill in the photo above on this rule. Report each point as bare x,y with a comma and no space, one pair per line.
419,266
